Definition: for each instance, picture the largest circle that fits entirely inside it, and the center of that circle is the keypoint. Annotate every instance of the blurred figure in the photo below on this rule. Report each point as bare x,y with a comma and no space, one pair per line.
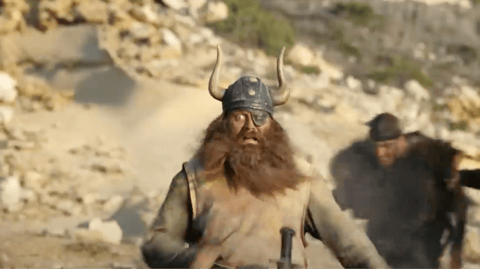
408,188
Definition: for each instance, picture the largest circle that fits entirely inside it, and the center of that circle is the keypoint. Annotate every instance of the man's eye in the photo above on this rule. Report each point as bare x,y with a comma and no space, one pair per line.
239,117
260,119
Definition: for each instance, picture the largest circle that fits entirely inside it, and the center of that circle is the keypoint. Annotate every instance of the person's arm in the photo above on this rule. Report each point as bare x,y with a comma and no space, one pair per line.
327,222
167,243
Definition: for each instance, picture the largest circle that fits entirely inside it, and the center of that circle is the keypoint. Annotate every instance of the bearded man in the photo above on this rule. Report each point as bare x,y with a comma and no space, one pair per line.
226,207
408,187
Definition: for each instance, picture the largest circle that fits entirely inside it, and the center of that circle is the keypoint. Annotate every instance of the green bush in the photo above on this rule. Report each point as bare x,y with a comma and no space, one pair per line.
359,13
310,69
466,53
461,126
402,68
349,50
250,25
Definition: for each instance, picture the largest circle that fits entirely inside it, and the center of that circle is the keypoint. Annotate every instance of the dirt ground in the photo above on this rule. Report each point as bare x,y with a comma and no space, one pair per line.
29,250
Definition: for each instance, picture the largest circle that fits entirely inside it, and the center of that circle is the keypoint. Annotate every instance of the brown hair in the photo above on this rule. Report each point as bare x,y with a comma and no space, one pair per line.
264,169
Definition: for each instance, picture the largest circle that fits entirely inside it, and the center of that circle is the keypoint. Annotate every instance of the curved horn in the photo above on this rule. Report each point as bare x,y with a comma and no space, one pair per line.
282,95
215,90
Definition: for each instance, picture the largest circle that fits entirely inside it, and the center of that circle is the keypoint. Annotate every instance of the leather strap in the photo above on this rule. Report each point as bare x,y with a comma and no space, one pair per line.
190,171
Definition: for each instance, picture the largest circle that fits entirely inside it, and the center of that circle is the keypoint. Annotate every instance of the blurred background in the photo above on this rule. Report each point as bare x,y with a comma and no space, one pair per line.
101,101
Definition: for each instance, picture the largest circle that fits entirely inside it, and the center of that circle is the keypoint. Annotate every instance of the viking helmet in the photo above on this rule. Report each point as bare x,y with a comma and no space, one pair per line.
248,92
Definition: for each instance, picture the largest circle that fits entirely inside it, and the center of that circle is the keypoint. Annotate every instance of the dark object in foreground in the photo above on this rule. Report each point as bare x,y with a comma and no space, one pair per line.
286,253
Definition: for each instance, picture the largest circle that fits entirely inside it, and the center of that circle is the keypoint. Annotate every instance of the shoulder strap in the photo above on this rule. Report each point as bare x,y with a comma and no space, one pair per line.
306,194
190,171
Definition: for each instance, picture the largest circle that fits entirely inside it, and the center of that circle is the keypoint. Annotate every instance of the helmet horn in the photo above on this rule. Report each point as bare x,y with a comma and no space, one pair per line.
215,90
282,95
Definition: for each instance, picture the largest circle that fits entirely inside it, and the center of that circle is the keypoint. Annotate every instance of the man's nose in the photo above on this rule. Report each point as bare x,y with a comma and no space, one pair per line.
381,151
249,124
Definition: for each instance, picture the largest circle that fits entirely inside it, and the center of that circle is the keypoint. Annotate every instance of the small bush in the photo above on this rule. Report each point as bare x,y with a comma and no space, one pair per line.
461,126
466,53
349,50
359,13
250,25
310,70
439,107
404,69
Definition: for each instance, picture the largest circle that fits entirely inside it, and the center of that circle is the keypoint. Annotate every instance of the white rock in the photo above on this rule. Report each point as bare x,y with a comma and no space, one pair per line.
300,55
326,68
417,90
195,38
468,93
353,83
216,11
207,33
196,4
28,196
170,38
459,81
110,230
175,4
141,30
66,206
113,204
145,13
391,98
327,100
6,115
33,180
90,198
472,244
8,92
186,20
88,235
371,83
55,231
10,193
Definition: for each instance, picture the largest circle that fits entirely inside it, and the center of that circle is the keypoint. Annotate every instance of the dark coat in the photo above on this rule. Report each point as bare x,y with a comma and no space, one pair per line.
409,206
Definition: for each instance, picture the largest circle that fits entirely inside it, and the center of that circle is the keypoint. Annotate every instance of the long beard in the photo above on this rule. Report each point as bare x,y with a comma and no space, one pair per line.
263,168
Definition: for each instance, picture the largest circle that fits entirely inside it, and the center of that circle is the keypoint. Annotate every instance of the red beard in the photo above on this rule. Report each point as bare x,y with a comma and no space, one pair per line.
263,168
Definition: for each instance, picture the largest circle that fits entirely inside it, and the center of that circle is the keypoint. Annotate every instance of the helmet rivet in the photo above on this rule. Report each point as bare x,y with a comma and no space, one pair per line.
251,92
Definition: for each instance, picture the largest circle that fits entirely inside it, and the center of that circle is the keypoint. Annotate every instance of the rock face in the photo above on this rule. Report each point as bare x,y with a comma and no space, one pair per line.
8,91
216,11
300,55
10,193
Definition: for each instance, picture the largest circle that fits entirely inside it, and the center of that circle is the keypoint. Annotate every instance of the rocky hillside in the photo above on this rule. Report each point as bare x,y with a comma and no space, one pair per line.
102,101
392,41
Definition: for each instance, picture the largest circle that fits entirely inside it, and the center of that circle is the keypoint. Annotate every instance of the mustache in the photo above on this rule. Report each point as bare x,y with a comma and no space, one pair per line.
244,135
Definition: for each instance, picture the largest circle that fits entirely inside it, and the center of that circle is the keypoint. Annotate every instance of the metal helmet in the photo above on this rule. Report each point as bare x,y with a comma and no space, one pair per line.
248,92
